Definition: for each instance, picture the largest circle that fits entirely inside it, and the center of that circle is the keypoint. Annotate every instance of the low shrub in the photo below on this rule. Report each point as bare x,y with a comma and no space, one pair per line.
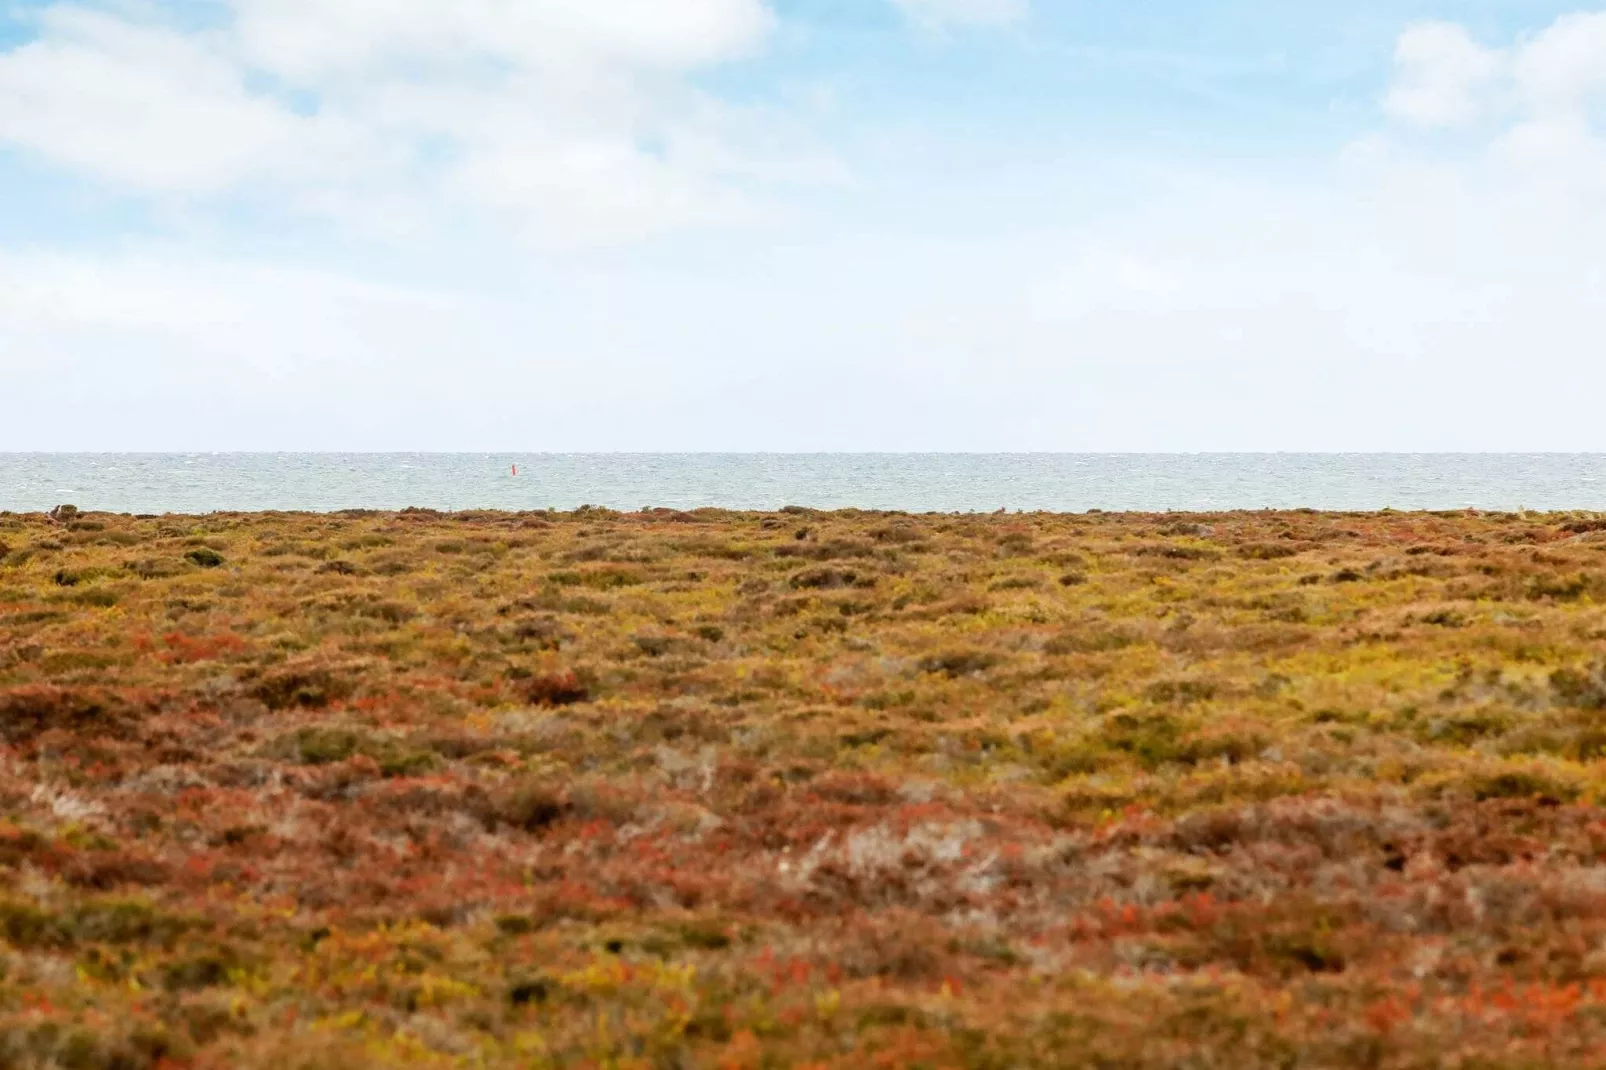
560,688
828,579
305,687
529,806
1582,688
31,710
1268,551
957,663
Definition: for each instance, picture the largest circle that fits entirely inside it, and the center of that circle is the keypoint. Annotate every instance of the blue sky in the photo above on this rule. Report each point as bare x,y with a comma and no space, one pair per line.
801,225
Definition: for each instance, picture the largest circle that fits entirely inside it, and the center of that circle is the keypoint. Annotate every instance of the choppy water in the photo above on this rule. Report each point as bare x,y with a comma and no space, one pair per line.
200,483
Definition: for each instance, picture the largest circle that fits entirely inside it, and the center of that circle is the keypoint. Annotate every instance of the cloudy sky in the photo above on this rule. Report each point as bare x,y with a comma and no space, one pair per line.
802,225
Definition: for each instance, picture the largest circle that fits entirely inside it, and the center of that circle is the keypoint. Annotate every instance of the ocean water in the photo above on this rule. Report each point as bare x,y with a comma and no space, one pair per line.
203,482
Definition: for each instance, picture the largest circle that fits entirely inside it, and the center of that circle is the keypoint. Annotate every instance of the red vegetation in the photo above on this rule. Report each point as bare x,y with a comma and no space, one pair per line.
819,790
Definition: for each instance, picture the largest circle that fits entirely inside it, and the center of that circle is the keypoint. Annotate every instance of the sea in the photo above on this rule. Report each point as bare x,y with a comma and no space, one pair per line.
198,483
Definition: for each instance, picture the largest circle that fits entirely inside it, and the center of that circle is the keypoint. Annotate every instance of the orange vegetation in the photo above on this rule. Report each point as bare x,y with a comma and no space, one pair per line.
802,789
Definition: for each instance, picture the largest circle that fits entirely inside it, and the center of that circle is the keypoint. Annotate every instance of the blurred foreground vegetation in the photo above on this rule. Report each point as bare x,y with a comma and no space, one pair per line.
802,789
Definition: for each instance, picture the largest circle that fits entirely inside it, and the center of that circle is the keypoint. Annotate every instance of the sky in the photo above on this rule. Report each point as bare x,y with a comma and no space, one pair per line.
802,225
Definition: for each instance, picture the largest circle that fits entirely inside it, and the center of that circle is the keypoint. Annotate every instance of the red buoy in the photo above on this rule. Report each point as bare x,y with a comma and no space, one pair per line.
515,469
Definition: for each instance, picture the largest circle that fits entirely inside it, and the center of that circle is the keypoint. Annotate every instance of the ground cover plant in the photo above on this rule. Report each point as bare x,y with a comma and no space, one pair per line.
802,790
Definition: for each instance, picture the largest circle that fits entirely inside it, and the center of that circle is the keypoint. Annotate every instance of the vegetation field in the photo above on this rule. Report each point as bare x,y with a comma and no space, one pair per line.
802,789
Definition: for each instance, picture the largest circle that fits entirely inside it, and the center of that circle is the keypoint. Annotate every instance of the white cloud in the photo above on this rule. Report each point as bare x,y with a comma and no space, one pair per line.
314,40
1443,76
1399,305
941,14
1561,154
572,120
1563,66
1437,291
149,108
1530,104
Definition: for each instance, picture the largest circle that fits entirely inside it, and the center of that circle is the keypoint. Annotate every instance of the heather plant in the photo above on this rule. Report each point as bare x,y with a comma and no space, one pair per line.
1280,789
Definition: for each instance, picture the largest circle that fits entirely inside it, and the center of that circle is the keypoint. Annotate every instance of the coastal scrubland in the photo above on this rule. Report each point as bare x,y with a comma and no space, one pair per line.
662,789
